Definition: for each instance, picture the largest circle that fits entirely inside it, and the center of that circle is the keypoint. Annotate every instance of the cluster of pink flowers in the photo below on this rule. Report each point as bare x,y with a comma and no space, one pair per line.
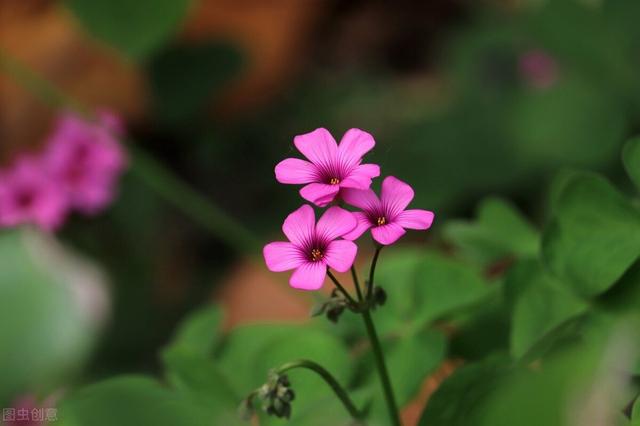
335,174
538,68
78,170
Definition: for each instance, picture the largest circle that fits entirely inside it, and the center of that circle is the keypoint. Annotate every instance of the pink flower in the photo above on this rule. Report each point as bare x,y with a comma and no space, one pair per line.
538,68
85,159
386,216
331,167
29,196
312,248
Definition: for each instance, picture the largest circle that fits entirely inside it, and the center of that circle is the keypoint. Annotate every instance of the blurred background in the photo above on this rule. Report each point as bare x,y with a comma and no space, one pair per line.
465,99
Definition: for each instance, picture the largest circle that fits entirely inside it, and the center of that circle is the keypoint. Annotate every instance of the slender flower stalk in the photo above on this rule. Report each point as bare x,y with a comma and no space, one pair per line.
340,392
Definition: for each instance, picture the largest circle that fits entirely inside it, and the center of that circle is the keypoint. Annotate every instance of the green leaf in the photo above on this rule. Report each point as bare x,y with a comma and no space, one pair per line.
47,336
631,160
198,333
456,400
251,351
136,28
129,401
540,307
411,360
444,286
184,78
593,238
499,231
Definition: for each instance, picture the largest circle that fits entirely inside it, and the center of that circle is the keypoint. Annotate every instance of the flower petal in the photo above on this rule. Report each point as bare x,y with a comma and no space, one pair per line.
319,193
354,144
415,219
387,234
363,224
318,146
364,199
299,226
395,196
341,254
294,170
282,256
334,223
309,276
360,177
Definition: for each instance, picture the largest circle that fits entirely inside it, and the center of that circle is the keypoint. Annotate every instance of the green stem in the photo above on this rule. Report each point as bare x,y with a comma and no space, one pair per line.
342,289
356,283
192,203
372,271
154,174
383,373
342,394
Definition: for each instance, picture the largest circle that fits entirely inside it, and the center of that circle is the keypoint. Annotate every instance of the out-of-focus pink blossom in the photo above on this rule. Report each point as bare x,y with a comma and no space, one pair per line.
386,216
538,68
313,247
29,196
27,411
330,167
85,159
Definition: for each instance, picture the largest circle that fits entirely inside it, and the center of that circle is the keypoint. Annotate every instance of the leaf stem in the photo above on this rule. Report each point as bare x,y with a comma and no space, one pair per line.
340,392
356,283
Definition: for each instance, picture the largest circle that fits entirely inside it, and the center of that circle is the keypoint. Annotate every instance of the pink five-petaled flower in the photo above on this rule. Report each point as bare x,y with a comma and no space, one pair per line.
312,248
331,167
85,159
386,216
29,196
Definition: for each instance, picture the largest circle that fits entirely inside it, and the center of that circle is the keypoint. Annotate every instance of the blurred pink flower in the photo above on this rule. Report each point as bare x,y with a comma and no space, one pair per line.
386,216
312,248
85,159
29,196
27,411
538,68
331,167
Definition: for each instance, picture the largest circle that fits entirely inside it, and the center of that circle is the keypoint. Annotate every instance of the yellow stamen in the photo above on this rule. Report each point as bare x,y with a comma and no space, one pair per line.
316,254
381,221
334,181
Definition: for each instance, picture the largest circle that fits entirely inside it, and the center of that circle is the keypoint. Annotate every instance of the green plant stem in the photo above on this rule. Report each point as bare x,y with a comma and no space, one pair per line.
153,173
340,392
372,271
383,373
356,283
193,204
342,289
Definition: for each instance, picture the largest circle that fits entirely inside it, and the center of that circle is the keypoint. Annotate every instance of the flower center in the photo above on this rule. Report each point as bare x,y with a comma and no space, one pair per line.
316,254
334,181
381,220
25,198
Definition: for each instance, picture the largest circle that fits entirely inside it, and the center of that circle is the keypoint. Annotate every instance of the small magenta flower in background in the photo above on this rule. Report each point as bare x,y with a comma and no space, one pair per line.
538,68
386,216
29,196
331,167
85,159
313,247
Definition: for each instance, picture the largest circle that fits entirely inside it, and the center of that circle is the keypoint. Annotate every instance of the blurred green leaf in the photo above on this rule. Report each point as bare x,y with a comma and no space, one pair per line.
136,28
456,400
129,401
631,159
46,336
199,332
543,305
593,238
499,230
185,77
251,351
411,360
444,286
